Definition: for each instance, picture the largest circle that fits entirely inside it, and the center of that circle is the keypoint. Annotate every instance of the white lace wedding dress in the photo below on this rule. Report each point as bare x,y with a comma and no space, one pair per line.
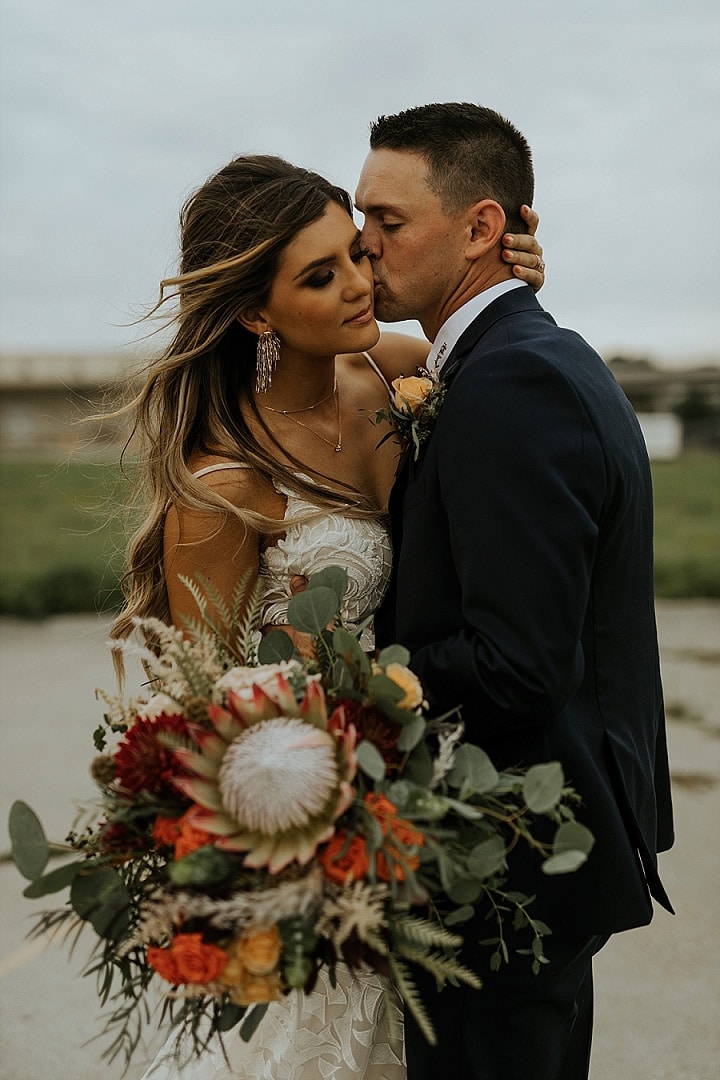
354,1030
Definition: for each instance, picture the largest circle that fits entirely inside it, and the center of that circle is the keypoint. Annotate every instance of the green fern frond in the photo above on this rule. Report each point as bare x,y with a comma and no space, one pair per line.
409,993
441,966
424,933
246,623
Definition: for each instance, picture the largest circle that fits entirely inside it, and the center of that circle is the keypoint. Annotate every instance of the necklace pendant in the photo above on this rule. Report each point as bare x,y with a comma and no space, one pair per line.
338,448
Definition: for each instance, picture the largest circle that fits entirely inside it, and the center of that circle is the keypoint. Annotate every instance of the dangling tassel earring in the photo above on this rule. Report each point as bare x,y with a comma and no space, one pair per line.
268,354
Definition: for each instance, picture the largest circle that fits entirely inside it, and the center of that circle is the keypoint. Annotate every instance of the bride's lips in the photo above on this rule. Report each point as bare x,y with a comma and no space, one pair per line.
363,317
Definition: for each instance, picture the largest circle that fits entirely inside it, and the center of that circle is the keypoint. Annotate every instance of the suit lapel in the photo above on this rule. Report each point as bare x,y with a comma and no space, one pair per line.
509,303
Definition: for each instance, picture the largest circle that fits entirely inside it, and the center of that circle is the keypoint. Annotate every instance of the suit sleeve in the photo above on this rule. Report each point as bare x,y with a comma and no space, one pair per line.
521,477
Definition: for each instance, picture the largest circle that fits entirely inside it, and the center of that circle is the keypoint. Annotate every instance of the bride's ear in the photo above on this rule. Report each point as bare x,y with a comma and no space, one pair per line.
254,322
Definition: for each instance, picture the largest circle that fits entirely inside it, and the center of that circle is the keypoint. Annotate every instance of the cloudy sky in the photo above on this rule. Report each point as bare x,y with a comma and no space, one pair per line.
112,111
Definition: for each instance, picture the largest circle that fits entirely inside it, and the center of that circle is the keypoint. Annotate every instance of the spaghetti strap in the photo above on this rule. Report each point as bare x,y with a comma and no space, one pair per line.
219,467
378,372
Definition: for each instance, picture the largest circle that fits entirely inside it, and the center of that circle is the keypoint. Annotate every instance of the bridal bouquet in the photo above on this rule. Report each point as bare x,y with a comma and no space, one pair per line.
261,816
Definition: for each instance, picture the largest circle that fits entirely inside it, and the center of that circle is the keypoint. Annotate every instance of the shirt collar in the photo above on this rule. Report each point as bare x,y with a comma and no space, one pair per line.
452,329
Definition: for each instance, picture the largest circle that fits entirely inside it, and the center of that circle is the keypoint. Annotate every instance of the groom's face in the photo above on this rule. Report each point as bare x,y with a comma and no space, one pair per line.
416,248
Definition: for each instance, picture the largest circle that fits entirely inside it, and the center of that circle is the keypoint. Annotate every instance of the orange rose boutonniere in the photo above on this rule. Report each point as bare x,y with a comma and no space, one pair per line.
413,409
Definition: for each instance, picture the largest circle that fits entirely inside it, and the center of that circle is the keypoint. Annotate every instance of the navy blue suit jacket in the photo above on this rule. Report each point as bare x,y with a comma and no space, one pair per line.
523,588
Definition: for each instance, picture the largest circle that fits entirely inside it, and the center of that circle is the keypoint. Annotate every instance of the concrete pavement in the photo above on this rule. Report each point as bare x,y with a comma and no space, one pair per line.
658,989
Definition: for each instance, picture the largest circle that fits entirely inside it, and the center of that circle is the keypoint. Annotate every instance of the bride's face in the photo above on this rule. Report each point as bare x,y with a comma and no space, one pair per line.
321,302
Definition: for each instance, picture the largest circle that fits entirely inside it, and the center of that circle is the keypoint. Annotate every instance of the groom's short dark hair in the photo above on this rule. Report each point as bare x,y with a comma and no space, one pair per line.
472,153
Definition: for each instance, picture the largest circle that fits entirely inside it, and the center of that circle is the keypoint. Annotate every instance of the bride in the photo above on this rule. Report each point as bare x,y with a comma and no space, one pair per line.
260,460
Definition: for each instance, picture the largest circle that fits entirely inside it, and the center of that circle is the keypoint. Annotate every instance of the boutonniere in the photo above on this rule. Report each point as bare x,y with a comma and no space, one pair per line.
413,408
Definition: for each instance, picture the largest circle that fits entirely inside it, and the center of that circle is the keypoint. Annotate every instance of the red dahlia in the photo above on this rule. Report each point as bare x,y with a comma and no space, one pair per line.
143,762
371,724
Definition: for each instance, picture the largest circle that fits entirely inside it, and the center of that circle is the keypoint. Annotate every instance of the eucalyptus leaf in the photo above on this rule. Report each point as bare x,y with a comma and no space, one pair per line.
331,577
461,915
466,810
55,881
472,770
419,767
275,647
230,1015
30,848
100,897
370,760
349,648
487,858
394,654
202,867
572,836
312,610
411,734
543,786
572,844
381,689
252,1021
564,863
465,891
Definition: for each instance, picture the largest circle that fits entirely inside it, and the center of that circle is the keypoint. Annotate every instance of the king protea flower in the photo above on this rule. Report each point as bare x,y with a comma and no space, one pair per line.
270,777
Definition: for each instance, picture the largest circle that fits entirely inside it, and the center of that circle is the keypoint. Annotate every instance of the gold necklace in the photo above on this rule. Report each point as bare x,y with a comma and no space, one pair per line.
289,413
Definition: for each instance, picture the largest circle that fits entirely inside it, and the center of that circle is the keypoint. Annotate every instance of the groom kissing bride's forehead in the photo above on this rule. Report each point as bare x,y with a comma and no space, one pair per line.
523,571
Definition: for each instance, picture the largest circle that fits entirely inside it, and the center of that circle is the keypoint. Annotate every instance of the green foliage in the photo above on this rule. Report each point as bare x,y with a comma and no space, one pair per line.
62,537
687,526
64,534
30,849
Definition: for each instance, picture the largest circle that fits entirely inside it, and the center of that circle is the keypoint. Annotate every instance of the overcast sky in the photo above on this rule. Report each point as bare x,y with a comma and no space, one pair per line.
114,110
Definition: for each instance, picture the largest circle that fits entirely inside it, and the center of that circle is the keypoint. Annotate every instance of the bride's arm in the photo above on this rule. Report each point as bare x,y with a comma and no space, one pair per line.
219,548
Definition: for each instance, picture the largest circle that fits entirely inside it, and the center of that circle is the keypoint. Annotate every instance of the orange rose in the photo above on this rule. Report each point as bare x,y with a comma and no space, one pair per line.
163,961
410,392
343,862
190,838
259,950
188,960
165,831
394,860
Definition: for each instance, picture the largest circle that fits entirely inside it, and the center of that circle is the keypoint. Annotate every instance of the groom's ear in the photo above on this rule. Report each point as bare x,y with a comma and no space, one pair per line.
486,225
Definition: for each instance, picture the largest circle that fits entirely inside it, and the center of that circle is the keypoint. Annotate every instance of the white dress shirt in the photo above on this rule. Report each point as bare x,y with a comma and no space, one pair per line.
454,327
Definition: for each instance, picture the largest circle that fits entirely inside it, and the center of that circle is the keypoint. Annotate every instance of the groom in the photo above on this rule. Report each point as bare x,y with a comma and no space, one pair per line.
523,579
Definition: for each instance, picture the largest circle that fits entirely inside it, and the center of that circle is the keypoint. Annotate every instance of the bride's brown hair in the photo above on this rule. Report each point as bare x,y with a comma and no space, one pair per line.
233,231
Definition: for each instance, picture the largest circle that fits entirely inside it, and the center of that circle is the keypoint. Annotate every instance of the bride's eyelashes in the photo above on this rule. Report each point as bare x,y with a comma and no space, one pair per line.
320,281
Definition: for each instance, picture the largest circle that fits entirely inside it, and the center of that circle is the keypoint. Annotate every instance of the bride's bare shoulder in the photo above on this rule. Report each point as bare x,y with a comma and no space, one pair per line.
394,354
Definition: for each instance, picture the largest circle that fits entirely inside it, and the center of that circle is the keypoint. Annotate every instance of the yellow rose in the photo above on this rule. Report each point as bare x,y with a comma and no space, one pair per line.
408,681
259,950
232,974
410,392
255,989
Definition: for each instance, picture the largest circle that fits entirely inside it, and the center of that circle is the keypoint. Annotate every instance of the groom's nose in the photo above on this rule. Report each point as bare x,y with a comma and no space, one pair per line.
370,239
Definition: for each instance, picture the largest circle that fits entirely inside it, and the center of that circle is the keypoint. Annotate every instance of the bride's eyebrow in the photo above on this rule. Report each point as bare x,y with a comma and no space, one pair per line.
324,259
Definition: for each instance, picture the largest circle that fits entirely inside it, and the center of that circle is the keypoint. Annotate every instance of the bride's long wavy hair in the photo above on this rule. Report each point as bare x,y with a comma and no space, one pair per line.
233,231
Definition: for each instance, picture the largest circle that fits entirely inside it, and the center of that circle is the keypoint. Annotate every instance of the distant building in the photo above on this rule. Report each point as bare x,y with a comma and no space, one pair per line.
46,397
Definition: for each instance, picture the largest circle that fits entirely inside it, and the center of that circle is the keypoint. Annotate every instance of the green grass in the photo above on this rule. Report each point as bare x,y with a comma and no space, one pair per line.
61,533
60,537
687,526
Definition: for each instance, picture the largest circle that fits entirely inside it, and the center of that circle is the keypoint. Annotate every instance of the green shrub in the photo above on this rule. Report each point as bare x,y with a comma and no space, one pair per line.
62,533
61,537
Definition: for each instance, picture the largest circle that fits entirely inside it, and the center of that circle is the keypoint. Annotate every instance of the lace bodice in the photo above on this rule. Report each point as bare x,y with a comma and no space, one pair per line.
361,545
